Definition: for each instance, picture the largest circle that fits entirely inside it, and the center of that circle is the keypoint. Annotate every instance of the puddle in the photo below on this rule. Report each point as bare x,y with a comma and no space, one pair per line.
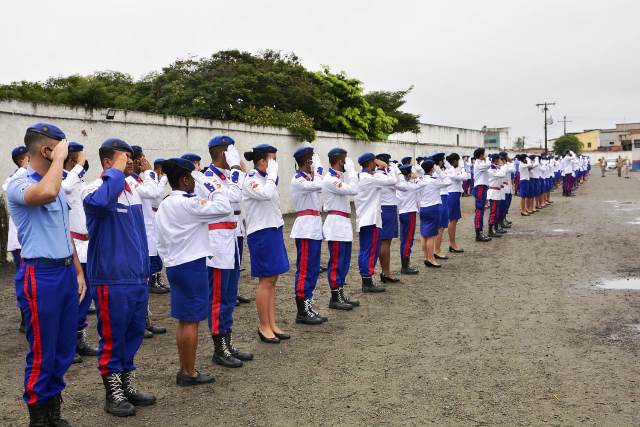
633,222
559,230
611,201
629,283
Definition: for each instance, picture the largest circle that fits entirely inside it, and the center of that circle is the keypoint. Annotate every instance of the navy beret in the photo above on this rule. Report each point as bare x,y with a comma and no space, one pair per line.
478,152
336,151
303,152
438,157
137,150
503,154
494,156
221,140
117,144
48,130
75,147
427,162
406,159
265,148
384,157
192,157
158,161
366,157
18,151
179,162
405,168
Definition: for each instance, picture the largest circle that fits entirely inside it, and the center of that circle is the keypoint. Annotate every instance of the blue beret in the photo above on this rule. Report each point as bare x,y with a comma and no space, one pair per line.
265,148
406,159
75,147
366,157
503,154
384,157
438,157
221,140
405,168
192,157
427,161
302,152
336,151
117,144
18,151
158,161
179,162
478,151
50,131
494,156
137,150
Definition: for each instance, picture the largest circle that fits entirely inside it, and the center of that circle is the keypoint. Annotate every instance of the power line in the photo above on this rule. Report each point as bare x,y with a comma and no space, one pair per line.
545,108
564,122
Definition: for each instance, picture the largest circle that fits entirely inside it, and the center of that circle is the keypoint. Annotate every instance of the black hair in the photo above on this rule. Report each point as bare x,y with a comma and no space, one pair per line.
255,156
137,155
301,160
33,138
336,157
105,153
427,166
18,158
453,157
217,150
174,173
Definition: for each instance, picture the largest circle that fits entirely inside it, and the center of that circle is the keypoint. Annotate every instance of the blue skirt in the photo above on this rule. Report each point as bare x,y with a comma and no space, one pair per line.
430,220
389,222
525,188
268,253
189,291
444,212
453,203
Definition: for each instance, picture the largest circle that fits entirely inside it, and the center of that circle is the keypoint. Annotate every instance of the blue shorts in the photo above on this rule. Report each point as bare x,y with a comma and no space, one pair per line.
189,290
430,220
268,253
389,222
525,188
444,211
453,203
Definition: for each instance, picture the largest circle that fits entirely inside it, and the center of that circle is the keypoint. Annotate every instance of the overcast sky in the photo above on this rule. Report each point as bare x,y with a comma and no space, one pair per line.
472,62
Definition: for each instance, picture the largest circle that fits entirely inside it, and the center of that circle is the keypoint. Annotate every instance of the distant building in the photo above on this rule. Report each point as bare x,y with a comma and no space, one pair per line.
590,139
620,138
498,138
457,137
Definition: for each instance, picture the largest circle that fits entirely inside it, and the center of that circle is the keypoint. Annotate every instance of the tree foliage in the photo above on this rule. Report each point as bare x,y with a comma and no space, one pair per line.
269,88
567,142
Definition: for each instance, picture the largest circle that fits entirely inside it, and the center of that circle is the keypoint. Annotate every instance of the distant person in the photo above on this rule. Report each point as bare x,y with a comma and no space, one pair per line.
619,163
627,166
603,166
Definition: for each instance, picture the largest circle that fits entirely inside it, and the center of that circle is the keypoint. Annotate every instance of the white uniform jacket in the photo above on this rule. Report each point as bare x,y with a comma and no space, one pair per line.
305,197
337,187
480,174
146,185
12,239
496,178
261,202
73,184
368,199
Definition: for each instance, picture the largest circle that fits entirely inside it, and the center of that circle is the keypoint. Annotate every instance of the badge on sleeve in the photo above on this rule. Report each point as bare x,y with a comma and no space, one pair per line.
235,176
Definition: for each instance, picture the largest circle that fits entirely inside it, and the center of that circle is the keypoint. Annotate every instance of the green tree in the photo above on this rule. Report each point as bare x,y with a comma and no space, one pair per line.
567,142
391,102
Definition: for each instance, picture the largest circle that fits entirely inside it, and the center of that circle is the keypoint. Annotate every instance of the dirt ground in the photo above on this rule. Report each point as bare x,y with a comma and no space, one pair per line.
512,332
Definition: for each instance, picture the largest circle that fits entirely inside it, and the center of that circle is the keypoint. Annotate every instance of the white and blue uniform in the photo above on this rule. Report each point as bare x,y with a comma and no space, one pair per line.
13,244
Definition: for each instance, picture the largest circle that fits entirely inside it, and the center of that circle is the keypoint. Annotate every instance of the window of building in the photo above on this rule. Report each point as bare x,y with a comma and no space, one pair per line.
611,143
588,145
636,143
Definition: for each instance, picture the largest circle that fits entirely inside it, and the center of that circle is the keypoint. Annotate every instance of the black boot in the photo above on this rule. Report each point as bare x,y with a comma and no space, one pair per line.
505,224
82,346
305,315
240,355
343,297
368,286
55,418
313,310
155,330
133,395
336,302
154,286
481,237
115,402
406,267
160,282
492,232
498,229
222,354
39,416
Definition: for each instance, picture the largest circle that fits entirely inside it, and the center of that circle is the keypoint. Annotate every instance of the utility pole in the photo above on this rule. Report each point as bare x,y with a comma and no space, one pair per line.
545,107
564,122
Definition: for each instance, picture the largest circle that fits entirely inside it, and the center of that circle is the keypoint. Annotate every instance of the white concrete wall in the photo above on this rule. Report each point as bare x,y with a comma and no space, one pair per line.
167,136
442,135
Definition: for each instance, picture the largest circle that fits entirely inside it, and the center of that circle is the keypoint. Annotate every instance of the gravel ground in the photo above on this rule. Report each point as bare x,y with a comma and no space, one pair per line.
512,332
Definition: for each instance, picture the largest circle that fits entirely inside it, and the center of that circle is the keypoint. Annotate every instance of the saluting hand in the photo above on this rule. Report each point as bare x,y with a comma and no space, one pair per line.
380,164
60,151
120,161
145,165
82,157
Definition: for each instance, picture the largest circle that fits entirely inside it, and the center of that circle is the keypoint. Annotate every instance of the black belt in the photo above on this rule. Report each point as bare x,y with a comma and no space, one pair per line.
50,261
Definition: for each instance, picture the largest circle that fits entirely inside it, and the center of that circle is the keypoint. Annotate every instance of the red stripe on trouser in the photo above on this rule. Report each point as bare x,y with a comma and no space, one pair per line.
107,338
372,255
303,268
36,363
412,229
333,276
479,198
216,298
494,212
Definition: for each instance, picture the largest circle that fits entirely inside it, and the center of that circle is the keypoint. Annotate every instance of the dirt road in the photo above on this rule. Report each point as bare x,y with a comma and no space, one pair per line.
513,332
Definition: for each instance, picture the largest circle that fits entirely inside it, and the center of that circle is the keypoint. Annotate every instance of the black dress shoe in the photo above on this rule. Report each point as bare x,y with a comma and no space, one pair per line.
148,334
157,330
243,300
282,336
388,279
76,359
431,265
436,256
184,380
274,340
455,251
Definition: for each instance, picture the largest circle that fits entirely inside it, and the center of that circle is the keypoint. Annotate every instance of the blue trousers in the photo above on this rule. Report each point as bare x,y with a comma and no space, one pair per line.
122,315
48,297
223,293
480,193
235,279
83,307
307,267
369,249
339,263
407,233
155,264
506,204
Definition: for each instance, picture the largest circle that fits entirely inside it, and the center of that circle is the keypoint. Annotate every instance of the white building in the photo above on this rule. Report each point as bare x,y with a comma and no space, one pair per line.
430,134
